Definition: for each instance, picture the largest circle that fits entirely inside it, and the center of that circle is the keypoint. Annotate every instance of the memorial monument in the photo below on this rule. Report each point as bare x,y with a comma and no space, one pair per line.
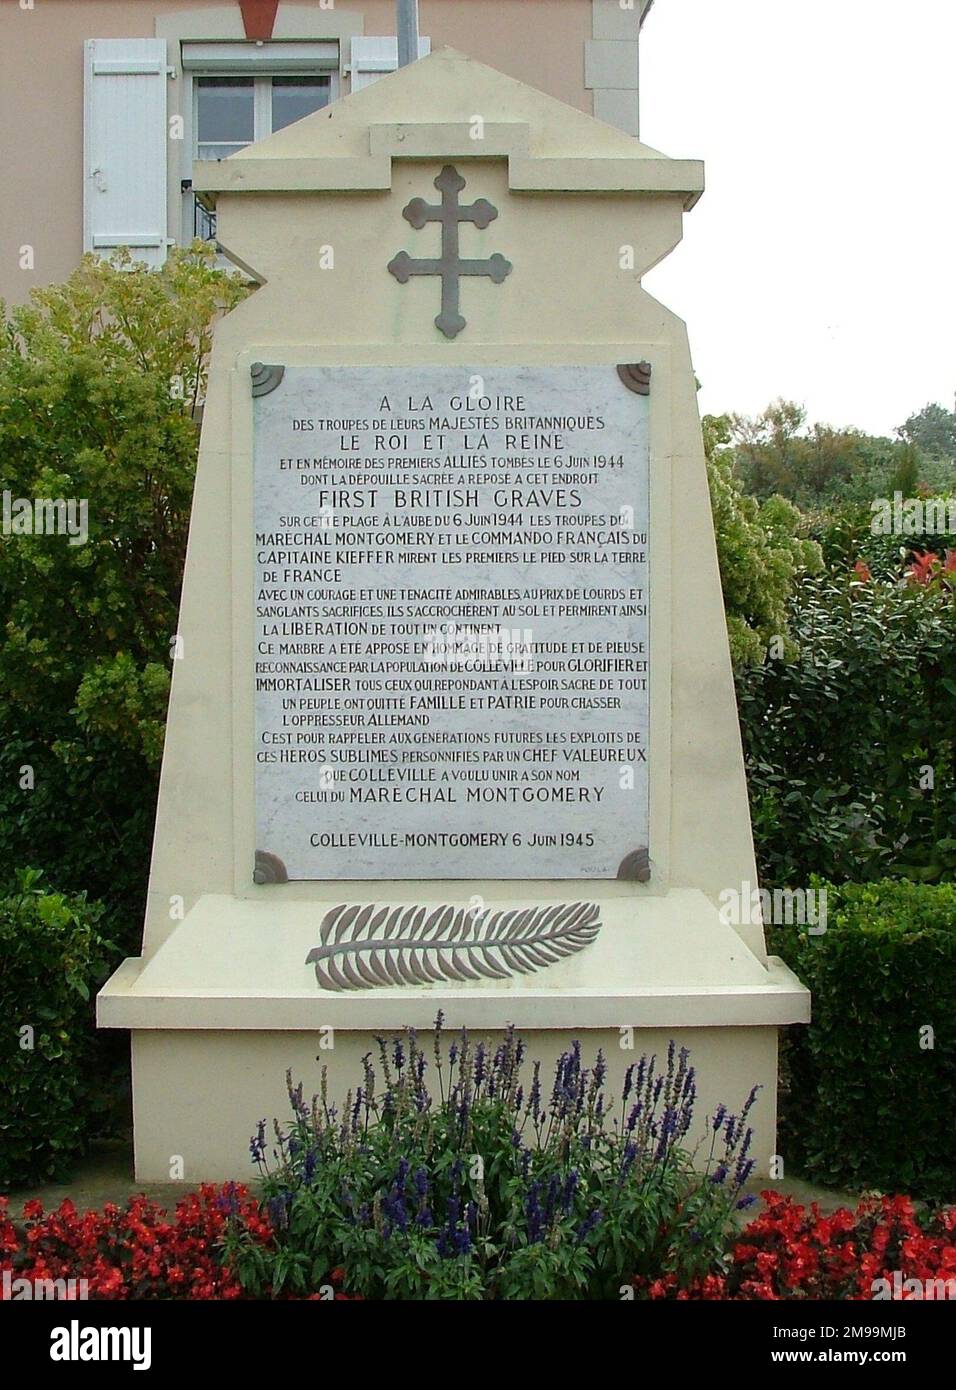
454,724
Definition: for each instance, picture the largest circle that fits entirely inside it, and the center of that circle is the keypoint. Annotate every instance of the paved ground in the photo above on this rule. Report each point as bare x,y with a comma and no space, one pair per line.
107,1176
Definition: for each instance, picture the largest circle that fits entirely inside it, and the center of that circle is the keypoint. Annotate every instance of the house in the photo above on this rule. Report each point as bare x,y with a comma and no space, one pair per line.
105,104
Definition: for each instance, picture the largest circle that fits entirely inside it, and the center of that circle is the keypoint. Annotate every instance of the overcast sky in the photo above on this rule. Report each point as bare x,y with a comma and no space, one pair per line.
818,265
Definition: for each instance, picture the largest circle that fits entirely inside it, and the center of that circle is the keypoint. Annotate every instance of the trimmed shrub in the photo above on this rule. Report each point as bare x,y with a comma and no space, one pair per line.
871,1089
52,960
851,748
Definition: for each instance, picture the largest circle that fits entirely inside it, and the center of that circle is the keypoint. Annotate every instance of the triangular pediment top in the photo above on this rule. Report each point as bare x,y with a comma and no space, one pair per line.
450,106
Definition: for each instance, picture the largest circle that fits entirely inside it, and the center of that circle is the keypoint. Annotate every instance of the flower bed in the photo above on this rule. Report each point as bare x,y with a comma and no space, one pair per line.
446,1177
453,1171
884,1249
136,1253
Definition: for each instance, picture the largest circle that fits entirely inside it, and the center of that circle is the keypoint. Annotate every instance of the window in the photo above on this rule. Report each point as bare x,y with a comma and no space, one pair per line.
232,112
225,115
242,93
295,97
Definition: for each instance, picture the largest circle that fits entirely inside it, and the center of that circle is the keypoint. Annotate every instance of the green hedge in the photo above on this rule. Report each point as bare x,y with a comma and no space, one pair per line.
851,748
868,1104
52,960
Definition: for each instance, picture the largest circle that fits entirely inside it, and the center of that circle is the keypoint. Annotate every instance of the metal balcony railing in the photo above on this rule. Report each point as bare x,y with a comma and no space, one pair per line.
204,222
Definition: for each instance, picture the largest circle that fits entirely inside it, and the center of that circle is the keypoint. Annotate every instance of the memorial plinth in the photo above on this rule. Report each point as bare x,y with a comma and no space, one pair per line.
454,725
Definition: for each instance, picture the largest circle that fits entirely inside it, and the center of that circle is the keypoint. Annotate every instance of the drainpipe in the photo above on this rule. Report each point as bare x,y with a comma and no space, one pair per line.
406,23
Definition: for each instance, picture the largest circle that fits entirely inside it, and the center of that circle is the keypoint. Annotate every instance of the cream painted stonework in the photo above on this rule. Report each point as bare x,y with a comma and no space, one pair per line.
222,1000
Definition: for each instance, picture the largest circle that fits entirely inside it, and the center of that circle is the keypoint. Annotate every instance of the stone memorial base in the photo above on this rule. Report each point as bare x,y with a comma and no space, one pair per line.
452,633
228,1003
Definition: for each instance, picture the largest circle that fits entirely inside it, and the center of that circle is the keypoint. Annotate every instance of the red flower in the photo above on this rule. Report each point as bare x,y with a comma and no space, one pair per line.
790,1251
922,569
139,1252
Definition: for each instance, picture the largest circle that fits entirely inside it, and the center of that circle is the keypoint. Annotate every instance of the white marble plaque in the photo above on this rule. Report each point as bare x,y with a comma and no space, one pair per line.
451,622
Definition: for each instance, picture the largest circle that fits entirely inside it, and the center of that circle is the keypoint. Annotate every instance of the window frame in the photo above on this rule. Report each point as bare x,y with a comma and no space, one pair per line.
262,114
260,63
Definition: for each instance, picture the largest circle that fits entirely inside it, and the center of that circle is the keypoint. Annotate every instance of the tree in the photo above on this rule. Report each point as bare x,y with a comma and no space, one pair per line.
766,447
776,452
761,553
99,382
933,430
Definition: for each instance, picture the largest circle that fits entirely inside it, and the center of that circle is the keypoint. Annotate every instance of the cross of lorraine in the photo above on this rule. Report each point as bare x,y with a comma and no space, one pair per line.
449,265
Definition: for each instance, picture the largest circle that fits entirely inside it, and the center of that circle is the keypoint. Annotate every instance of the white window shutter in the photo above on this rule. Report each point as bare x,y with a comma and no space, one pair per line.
124,148
372,58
